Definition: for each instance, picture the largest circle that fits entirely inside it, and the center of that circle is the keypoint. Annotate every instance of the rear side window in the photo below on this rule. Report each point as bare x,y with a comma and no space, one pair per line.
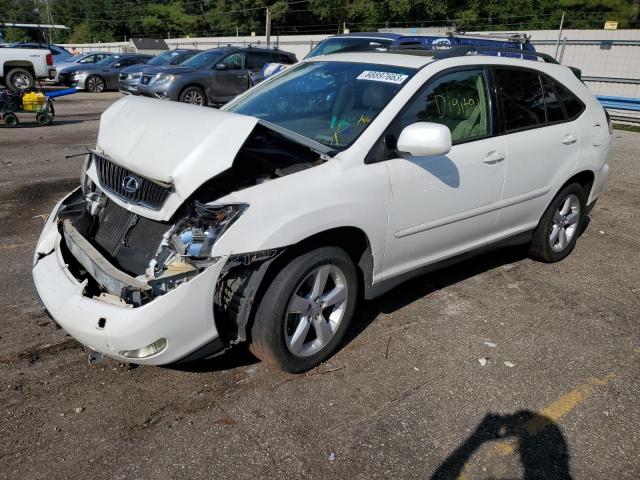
257,60
282,58
522,98
555,113
458,100
572,104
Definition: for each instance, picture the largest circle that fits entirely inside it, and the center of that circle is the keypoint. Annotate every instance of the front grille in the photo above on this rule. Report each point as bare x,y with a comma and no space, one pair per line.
131,241
130,187
145,79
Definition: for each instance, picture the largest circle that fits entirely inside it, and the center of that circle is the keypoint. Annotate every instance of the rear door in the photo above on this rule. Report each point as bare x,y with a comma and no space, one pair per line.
231,80
542,143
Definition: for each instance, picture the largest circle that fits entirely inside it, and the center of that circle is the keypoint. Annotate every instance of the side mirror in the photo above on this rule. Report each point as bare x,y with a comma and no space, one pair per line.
221,66
424,139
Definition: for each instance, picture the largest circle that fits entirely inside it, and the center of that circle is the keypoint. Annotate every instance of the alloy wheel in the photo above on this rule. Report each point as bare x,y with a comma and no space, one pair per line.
21,81
565,223
95,84
193,97
315,310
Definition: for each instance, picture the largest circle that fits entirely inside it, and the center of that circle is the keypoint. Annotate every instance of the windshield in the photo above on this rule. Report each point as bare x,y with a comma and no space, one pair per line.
329,102
163,58
339,44
202,59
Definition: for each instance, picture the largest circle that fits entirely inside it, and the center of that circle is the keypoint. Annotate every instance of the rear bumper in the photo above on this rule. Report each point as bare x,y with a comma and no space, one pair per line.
183,316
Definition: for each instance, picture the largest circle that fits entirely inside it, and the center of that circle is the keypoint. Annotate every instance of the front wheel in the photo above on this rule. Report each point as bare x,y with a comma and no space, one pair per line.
193,95
95,84
306,310
559,228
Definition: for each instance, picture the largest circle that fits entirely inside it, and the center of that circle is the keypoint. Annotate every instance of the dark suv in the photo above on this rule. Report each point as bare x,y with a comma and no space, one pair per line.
212,77
130,76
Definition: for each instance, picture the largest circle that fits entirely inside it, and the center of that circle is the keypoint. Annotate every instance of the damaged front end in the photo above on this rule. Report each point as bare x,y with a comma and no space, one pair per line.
126,258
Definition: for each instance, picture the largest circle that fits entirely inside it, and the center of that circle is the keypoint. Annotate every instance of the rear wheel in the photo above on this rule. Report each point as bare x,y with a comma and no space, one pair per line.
193,95
20,79
306,310
11,120
559,228
95,84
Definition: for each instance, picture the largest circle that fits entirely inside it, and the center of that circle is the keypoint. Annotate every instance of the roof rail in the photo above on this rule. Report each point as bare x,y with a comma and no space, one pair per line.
460,51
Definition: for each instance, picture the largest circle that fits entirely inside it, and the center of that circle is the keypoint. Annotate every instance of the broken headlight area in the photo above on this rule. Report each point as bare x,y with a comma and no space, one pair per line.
125,257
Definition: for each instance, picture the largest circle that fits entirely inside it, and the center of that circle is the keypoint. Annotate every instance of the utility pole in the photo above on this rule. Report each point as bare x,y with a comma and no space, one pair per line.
559,36
268,27
50,20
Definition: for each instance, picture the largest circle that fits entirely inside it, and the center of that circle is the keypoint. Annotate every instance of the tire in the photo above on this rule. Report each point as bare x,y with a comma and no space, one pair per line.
95,84
559,228
20,79
193,96
296,342
11,120
44,119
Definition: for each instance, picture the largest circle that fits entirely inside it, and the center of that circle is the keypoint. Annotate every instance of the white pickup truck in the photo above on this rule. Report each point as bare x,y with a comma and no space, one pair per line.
20,67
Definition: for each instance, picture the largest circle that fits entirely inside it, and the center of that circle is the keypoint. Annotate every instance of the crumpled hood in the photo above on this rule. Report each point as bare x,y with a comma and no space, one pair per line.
172,142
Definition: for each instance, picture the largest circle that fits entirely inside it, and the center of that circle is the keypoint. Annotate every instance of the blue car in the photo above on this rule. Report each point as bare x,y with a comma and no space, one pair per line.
372,40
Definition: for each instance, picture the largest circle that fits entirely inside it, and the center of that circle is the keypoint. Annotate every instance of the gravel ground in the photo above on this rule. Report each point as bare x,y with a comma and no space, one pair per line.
500,367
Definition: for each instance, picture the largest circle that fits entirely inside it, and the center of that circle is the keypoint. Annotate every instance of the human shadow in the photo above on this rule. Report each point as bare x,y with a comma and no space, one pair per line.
539,442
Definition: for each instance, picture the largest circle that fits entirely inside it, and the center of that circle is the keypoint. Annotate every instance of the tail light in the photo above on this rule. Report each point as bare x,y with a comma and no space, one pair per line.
49,60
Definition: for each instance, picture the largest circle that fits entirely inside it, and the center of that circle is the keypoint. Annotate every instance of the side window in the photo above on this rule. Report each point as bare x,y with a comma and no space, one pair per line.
572,104
234,61
257,60
555,113
458,100
520,93
282,58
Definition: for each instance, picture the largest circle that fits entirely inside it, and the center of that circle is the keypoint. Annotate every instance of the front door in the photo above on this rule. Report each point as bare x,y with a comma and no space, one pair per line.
444,205
231,80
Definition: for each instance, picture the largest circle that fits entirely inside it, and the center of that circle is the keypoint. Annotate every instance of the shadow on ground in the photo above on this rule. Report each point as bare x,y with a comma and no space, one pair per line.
538,440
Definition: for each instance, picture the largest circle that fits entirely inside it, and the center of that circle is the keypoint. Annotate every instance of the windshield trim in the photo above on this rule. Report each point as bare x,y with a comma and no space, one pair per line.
297,137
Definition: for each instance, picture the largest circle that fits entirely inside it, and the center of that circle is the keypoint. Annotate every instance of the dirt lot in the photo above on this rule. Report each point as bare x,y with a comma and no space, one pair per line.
405,397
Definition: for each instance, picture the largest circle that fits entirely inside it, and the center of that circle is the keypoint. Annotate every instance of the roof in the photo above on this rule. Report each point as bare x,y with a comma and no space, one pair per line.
149,44
396,58
390,36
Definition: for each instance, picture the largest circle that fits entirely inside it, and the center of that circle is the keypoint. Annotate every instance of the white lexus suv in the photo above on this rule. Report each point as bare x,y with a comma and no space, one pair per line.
196,229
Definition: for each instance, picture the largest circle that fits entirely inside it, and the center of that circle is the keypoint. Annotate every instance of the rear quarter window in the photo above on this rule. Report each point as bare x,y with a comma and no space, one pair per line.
572,104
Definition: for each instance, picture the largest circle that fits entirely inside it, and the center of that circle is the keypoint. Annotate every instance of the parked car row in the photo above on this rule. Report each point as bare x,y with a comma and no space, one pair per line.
200,77
212,77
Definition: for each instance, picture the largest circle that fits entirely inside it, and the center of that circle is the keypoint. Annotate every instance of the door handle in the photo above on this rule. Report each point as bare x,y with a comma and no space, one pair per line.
569,139
493,157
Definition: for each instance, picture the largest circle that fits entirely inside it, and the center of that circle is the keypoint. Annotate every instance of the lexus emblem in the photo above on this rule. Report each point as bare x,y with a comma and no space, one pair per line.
130,184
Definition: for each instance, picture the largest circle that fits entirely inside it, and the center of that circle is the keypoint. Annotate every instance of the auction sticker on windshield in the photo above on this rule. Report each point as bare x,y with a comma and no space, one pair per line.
386,77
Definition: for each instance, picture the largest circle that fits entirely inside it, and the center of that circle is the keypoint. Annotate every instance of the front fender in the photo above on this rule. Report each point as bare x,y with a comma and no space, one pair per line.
290,209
